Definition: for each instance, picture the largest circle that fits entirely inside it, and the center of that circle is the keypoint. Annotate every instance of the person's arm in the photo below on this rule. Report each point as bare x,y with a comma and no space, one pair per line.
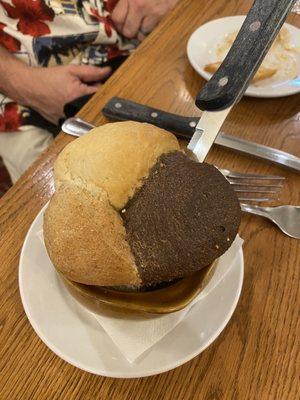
135,17
47,90
11,73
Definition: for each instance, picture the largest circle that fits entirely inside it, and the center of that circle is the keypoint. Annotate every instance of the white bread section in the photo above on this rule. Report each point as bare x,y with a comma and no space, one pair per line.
114,157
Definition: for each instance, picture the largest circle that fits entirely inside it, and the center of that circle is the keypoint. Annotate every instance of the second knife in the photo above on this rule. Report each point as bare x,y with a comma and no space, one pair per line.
121,109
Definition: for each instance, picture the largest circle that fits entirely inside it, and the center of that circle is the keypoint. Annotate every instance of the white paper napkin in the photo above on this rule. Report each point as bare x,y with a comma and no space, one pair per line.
134,335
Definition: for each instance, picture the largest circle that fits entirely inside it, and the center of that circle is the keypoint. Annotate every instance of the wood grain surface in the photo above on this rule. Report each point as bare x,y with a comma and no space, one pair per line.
257,355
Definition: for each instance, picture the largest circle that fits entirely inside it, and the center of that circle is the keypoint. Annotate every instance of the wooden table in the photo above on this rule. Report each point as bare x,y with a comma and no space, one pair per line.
257,355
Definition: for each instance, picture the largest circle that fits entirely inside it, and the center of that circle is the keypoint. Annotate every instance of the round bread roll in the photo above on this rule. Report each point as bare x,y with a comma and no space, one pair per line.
131,209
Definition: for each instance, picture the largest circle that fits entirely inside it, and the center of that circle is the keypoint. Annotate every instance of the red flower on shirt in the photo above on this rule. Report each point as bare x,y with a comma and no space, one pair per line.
7,41
31,14
113,51
108,24
10,119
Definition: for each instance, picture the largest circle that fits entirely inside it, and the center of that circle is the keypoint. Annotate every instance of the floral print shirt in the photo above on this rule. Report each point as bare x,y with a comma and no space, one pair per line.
55,32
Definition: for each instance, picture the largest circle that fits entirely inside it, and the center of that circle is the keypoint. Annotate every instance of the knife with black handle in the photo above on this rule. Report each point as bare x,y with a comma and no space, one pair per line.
122,110
261,26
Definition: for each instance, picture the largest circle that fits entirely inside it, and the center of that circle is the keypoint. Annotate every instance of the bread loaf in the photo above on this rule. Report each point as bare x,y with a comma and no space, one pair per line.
131,209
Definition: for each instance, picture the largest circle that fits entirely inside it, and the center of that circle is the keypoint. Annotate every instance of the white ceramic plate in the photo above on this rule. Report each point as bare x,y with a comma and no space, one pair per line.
75,336
201,50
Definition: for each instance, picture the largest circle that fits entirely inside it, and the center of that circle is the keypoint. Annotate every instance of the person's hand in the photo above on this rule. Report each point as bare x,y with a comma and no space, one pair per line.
135,18
47,90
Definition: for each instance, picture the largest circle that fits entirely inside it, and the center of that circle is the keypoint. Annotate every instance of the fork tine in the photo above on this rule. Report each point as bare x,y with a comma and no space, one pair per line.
256,182
238,175
256,189
257,199
242,183
258,185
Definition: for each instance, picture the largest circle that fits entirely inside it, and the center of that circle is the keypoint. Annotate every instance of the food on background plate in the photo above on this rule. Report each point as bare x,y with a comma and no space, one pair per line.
279,62
262,73
131,210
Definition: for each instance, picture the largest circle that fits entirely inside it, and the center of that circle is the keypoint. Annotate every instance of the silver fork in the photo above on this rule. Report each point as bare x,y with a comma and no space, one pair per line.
253,187
287,218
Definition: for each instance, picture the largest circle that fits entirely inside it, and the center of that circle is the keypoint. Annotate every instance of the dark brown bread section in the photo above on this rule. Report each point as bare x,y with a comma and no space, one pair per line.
183,217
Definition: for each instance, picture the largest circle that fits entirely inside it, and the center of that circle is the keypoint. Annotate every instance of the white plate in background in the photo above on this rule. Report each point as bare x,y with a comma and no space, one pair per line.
201,50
